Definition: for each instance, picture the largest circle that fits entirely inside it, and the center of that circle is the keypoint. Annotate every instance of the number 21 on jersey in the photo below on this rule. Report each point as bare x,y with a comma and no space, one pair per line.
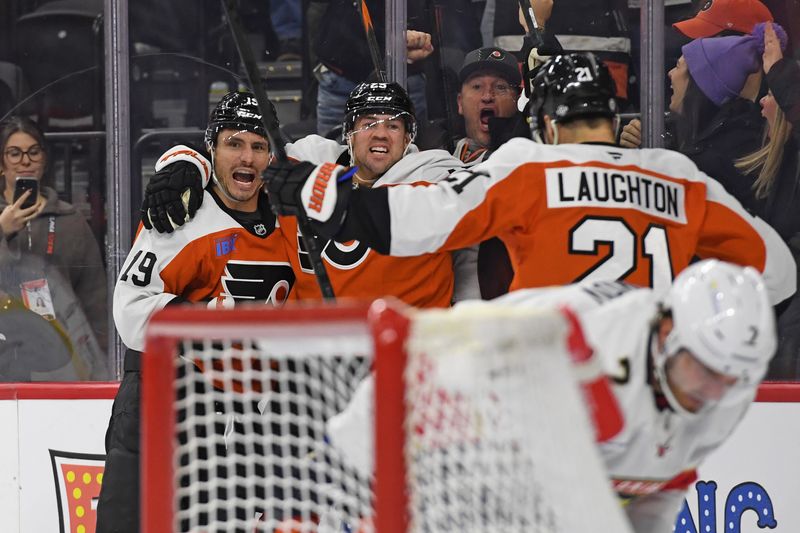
626,250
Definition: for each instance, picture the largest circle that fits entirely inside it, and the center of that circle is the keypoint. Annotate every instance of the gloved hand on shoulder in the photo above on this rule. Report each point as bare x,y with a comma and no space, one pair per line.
175,192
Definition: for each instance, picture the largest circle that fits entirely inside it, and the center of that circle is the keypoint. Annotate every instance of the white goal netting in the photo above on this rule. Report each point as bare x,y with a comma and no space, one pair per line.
478,425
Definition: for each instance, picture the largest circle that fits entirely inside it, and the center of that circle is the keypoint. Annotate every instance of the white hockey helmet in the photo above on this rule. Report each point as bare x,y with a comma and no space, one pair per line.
722,315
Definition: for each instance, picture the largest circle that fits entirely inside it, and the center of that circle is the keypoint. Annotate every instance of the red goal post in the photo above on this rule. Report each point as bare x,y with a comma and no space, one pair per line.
237,405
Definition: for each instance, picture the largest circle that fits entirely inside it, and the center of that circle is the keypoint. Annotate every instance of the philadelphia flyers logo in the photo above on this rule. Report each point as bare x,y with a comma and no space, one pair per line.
345,256
265,282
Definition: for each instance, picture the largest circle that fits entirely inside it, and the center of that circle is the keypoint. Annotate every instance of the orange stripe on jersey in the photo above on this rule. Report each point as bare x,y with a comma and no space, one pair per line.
230,263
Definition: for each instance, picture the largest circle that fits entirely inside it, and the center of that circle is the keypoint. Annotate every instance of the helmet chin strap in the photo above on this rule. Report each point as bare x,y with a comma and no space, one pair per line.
554,124
349,137
220,186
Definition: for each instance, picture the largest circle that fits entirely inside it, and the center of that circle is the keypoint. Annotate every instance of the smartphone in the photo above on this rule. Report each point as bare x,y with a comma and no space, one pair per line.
24,184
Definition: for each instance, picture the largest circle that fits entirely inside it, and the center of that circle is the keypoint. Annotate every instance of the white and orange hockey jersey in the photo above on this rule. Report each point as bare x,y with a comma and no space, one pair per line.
577,212
214,259
356,271
654,459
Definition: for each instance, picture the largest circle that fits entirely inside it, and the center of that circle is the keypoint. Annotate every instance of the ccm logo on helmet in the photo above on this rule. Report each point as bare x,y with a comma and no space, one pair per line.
320,184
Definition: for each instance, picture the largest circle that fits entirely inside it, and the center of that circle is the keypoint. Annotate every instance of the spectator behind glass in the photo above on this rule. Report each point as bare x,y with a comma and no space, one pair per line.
345,60
713,113
490,87
774,175
715,18
52,230
287,22
706,94
773,168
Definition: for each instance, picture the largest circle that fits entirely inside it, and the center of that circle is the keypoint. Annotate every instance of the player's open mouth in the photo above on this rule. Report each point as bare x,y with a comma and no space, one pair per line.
379,150
244,177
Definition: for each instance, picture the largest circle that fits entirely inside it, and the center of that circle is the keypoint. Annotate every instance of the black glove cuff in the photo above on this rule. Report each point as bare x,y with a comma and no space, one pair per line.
331,227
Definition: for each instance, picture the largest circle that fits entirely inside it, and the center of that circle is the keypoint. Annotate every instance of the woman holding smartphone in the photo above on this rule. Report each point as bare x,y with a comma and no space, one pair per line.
35,222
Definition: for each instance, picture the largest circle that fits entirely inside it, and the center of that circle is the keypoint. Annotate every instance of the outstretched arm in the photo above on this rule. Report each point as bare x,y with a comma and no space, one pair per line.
407,220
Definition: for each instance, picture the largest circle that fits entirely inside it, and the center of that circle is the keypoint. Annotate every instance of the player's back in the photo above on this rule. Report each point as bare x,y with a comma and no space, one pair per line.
599,212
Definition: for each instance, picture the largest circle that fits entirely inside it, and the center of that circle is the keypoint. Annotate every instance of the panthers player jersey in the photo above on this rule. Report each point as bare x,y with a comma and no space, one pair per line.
577,212
357,271
653,460
214,259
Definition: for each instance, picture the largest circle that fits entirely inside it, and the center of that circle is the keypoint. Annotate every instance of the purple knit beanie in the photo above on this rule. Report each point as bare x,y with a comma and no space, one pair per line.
720,65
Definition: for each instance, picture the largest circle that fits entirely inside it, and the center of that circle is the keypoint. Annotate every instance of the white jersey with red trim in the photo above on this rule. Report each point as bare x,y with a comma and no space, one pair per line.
577,212
213,259
653,460
357,271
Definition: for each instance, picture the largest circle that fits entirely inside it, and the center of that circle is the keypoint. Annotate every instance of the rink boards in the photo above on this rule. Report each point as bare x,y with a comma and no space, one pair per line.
51,461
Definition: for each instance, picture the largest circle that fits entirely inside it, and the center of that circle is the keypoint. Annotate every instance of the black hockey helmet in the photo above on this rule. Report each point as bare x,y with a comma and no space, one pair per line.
381,98
572,86
238,111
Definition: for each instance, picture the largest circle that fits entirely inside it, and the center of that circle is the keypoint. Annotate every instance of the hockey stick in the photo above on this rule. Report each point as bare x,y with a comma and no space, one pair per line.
372,41
447,90
534,32
275,139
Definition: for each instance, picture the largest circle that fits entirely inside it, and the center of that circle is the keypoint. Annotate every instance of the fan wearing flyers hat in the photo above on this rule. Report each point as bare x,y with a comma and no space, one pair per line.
490,89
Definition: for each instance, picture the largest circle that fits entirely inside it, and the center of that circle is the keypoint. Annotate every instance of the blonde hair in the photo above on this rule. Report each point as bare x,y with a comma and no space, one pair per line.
767,159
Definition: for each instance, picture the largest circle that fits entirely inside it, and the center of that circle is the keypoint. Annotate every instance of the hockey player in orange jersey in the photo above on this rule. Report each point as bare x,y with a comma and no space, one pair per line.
379,128
578,208
233,254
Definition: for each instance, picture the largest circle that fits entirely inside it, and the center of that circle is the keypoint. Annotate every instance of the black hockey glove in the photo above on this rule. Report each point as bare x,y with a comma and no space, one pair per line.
175,192
316,192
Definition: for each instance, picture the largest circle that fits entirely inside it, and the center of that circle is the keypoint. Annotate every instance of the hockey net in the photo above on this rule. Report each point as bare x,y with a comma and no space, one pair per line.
479,424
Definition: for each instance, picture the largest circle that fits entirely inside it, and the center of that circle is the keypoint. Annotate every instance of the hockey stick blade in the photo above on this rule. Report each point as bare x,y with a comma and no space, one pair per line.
372,41
275,140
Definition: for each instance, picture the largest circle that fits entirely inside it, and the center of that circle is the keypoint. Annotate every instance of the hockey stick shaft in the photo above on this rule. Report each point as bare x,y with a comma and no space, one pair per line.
447,89
275,140
251,70
534,31
372,41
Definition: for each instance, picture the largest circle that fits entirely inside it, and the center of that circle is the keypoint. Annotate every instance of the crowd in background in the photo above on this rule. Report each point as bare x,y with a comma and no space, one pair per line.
733,109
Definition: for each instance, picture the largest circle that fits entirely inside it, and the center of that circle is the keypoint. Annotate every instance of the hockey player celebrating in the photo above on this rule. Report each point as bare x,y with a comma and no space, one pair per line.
379,128
581,209
684,367
232,254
